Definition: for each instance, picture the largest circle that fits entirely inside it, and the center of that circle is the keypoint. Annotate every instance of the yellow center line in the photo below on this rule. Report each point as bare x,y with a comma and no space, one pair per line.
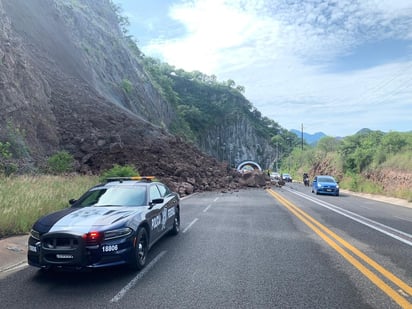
332,240
405,287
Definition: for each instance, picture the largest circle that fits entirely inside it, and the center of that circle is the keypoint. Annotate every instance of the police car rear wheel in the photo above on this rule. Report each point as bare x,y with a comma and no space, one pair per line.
141,249
176,224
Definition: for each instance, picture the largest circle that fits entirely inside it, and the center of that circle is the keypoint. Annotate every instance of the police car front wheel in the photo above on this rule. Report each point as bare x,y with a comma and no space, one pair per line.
140,250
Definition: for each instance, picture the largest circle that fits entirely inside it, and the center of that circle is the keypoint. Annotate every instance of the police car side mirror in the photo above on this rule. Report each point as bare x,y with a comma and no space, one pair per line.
156,201
72,201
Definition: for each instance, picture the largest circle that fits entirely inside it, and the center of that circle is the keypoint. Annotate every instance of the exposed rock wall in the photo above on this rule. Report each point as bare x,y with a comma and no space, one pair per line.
229,131
235,141
83,40
391,180
59,56
24,95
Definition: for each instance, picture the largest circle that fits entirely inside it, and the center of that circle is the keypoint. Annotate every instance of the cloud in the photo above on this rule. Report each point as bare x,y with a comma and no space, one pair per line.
287,54
216,33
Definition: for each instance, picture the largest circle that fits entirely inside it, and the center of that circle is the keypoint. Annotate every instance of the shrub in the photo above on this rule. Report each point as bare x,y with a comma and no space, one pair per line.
61,162
17,141
120,171
127,85
5,150
9,169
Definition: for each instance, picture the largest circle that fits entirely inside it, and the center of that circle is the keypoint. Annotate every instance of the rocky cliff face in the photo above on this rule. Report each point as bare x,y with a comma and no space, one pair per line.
235,141
230,130
24,95
69,81
66,76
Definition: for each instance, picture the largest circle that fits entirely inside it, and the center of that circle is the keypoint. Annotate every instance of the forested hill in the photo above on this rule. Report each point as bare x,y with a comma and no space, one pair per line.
72,79
217,117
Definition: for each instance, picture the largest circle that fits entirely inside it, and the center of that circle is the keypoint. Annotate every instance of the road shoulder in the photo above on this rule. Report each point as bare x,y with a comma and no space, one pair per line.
380,198
13,254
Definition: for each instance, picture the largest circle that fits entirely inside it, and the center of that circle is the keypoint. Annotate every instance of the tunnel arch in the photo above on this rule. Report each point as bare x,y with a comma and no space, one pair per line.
254,165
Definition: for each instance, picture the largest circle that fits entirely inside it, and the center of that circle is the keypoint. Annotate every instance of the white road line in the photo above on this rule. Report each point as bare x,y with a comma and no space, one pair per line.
360,219
134,281
215,199
207,208
14,267
402,218
191,223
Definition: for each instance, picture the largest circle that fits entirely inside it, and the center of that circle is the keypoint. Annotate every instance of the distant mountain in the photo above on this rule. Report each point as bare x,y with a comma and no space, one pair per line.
309,138
364,131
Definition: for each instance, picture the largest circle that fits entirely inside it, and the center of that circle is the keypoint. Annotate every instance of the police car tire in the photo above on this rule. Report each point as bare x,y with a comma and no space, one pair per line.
141,250
176,224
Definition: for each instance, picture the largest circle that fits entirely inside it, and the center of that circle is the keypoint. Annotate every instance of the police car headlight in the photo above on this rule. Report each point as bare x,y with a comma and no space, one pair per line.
123,232
35,234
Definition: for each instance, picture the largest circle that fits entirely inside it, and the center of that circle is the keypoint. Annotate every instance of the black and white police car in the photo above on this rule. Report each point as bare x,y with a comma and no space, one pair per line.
111,224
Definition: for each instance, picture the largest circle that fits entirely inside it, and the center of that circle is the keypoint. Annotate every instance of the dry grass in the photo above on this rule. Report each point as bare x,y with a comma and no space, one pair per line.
24,199
357,183
402,161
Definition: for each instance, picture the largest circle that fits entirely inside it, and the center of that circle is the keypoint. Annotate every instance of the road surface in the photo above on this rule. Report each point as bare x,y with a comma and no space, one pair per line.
280,248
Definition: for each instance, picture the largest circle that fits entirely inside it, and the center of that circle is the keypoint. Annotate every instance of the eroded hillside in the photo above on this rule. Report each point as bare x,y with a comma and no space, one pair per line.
68,82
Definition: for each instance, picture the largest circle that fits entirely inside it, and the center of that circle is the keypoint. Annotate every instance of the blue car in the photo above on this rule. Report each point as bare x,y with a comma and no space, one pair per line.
324,184
113,223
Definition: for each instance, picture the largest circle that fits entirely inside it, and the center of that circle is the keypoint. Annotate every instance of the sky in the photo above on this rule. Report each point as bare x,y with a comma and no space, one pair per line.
331,66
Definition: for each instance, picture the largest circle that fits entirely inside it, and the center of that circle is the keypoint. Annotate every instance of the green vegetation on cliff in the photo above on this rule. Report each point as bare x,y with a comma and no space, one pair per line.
369,161
202,102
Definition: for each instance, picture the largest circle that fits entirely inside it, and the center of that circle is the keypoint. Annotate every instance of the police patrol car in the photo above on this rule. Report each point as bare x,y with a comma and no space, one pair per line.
111,224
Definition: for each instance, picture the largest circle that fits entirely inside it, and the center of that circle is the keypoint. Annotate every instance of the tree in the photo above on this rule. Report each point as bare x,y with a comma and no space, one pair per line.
241,89
328,144
358,150
393,142
230,83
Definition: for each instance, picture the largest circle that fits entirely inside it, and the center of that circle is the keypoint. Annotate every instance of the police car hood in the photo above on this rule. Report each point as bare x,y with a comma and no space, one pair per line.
82,220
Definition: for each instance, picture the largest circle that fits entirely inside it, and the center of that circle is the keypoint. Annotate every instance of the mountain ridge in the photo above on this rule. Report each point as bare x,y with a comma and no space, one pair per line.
311,139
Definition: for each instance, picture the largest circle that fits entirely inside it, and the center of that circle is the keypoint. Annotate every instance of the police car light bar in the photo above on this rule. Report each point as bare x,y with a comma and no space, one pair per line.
146,178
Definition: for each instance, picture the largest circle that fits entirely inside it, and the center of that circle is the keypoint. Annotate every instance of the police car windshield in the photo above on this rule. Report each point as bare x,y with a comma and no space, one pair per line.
115,196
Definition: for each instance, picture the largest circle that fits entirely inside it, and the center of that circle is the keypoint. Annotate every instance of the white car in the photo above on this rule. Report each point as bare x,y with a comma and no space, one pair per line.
286,177
274,176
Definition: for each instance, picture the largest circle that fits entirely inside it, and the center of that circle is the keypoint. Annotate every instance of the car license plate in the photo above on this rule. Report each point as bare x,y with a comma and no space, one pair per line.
64,256
329,190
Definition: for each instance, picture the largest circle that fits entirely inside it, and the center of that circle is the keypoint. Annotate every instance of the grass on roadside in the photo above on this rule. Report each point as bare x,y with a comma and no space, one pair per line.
24,199
358,183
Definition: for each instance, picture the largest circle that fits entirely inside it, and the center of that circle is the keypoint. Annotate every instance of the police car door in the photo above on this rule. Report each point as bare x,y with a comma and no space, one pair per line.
158,213
170,204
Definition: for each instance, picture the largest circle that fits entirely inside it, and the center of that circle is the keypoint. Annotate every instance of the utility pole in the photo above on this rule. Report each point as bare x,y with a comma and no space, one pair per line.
302,136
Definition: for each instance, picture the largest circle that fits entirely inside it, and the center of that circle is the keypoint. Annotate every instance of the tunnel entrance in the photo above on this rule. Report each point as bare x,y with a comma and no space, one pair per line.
248,166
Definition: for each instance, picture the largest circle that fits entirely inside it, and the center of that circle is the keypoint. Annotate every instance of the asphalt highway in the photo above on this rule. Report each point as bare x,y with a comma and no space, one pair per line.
279,248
